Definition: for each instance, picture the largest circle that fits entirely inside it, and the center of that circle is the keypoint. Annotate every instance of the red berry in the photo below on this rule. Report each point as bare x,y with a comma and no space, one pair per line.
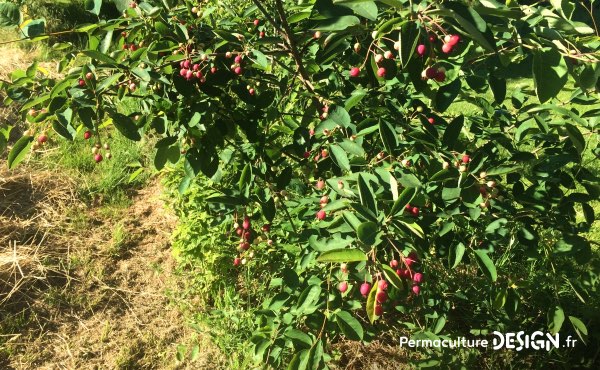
381,72
125,46
196,67
238,59
440,76
382,285
247,235
189,74
454,39
236,261
466,159
321,215
394,264
354,72
261,34
256,22
239,231
431,120
186,64
417,277
416,289
246,223
324,153
132,47
365,288
81,82
251,91
213,70
244,246
447,48
266,228
378,310
199,75
238,70
306,155
415,211
87,135
421,50
381,297
343,286
98,158
430,72
42,139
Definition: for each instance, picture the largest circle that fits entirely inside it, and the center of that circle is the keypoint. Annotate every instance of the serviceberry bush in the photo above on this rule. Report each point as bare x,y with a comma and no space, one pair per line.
395,165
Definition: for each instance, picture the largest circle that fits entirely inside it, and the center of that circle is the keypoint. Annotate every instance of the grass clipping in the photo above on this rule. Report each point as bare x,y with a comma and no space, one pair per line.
32,209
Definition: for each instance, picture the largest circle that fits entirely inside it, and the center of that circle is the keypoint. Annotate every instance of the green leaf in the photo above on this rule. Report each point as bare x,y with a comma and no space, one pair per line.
367,197
299,361
99,56
576,137
579,327
93,6
354,99
452,132
349,325
340,157
299,338
391,276
367,232
457,252
486,265
340,116
19,151
337,23
245,178
403,199
549,73
9,15
34,28
371,304
388,136
126,126
556,317
342,255
446,95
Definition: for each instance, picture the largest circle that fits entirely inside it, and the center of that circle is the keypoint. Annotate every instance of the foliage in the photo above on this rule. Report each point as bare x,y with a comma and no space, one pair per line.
334,159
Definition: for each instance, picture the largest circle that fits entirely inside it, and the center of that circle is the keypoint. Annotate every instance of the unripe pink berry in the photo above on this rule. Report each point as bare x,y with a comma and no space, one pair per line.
447,48
236,261
98,158
324,153
381,72
256,22
394,264
183,72
421,50
354,72
320,184
196,67
382,285
186,64
239,231
251,91
415,211
416,289
246,223
388,55
417,277
365,288
378,58
87,135
238,70
431,120
454,39
324,199
238,59
321,215
343,286
465,159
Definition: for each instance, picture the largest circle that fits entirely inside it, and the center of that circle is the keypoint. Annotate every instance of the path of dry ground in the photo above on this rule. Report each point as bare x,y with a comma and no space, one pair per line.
83,290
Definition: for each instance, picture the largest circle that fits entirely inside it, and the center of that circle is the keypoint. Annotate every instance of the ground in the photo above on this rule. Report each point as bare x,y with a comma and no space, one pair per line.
85,289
